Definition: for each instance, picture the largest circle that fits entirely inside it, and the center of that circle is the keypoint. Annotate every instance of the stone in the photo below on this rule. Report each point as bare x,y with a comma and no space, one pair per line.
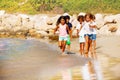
99,20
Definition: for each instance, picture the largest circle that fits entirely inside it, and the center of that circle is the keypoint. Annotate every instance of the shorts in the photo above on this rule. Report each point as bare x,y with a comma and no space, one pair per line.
68,40
61,38
89,35
93,36
81,39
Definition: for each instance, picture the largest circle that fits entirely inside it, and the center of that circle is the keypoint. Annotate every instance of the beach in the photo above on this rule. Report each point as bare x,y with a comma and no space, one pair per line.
35,59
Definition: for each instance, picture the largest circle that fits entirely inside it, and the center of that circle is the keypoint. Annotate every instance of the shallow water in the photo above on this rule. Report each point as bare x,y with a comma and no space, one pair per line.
32,60
35,60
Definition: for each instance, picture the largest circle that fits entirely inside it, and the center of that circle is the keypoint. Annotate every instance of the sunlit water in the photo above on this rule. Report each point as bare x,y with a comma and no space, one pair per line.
35,60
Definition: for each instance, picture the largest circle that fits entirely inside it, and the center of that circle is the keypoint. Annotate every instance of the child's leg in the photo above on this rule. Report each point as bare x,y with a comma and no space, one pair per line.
86,46
90,46
82,48
68,42
68,47
60,44
63,45
94,45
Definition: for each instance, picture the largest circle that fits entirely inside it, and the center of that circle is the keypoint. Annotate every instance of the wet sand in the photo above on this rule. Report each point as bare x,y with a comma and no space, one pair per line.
34,60
108,63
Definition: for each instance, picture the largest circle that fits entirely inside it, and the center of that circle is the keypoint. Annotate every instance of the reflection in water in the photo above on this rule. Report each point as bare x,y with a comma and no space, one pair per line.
90,71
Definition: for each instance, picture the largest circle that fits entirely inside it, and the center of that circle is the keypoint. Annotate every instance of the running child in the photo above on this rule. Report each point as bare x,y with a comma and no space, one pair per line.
94,33
69,32
62,27
81,33
88,33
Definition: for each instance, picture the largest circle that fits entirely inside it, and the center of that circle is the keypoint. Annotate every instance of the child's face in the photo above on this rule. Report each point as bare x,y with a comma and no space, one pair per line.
80,20
88,18
62,21
67,20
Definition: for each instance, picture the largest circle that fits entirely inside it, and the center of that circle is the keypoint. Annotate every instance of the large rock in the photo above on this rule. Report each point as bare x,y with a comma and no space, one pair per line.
81,13
27,23
99,20
11,21
112,27
117,18
118,30
39,21
104,30
2,12
109,19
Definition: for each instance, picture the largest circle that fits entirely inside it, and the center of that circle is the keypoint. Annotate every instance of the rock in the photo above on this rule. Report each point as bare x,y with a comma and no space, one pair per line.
99,20
104,30
39,21
11,21
112,27
117,18
109,19
32,30
44,33
118,30
2,12
65,14
16,29
27,23
82,13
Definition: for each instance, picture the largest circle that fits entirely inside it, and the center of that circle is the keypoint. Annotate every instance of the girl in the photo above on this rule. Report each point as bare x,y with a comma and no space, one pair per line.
94,32
63,28
80,33
68,43
88,33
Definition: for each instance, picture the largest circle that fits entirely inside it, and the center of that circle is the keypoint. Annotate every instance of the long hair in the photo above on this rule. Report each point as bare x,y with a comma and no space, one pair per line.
89,15
59,20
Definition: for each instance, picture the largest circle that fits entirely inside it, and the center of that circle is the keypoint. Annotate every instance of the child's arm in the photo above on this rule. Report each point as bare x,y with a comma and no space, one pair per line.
78,32
68,29
79,27
56,29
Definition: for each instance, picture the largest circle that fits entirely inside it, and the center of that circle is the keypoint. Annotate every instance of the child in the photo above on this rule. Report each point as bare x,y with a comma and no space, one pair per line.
88,33
80,33
94,32
69,32
62,27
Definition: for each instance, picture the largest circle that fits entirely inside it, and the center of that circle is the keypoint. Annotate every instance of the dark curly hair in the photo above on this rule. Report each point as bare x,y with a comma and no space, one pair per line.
80,17
59,19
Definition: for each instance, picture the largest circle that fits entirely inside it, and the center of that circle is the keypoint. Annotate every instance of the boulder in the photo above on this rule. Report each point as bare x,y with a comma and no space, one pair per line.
118,30
112,27
82,13
99,20
104,30
2,12
109,19
43,33
117,18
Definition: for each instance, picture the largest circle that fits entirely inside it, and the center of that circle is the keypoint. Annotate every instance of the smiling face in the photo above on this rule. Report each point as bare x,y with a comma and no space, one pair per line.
87,18
62,21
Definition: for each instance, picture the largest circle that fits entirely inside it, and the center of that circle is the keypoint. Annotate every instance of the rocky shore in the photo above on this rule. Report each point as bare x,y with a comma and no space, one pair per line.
42,25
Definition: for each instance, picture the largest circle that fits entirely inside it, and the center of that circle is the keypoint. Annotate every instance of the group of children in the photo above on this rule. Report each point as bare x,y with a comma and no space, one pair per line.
86,31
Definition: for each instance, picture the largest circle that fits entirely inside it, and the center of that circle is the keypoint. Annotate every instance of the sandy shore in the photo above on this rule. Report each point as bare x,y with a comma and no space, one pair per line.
33,60
107,50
